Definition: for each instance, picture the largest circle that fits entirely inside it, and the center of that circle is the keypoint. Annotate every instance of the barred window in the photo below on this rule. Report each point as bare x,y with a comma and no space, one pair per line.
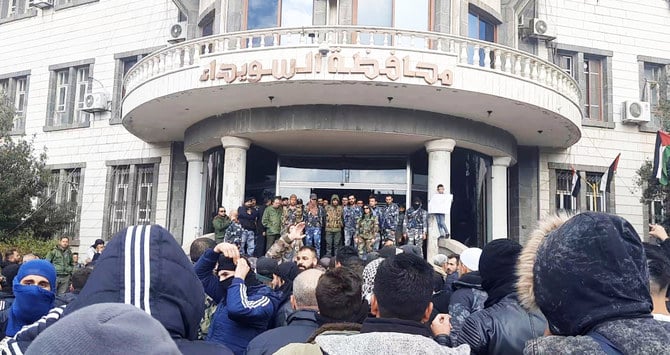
131,196
564,199
594,199
65,188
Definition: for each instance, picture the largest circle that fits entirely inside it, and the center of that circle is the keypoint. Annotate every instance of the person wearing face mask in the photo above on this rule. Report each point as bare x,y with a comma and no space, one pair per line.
33,287
246,308
415,226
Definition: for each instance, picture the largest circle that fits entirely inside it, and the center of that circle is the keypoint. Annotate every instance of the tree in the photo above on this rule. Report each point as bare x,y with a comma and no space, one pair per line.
23,185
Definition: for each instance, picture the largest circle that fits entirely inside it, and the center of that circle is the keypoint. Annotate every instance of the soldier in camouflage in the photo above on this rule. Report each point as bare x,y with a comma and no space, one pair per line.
389,219
415,224
377,212
351,213
293,214
367,228
315,218
233,234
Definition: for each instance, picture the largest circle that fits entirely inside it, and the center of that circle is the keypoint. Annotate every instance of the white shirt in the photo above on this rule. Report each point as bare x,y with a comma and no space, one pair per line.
661,317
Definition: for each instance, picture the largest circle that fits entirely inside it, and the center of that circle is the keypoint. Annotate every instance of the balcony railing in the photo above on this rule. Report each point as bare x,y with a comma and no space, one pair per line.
477,54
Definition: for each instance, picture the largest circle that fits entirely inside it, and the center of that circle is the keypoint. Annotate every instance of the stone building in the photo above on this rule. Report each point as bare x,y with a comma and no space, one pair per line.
160,111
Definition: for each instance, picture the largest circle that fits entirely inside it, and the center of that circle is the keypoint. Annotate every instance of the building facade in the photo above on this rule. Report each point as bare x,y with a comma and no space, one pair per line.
160,111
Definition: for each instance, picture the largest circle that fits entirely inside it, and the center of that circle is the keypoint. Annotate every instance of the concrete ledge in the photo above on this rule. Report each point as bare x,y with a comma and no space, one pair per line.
450,246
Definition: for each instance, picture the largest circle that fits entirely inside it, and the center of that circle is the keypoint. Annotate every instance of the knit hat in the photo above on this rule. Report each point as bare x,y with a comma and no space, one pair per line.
497,266
265,267
389,251
225,263
104,328
334,197
287,271
412,249
312,196
470,258
98,242
37,267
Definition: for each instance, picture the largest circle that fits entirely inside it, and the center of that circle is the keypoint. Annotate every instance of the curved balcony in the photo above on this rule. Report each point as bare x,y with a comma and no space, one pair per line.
173,88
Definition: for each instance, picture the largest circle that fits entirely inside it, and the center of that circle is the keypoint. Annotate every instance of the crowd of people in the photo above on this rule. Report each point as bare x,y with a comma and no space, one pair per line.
368,225
581,284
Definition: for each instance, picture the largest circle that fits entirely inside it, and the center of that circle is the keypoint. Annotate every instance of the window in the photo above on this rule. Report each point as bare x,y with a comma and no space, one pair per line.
594,197
566,61
564,199
655,212
483,29
124,61
65,188
14,89
16,9
131,196
401,14
593,95
653,84
69,85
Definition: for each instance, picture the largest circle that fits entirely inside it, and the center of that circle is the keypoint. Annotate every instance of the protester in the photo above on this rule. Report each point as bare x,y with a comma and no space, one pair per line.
283,281
468,296
657,231
34,292
79,279
503,326
105,328
401,305
145,267
287,246
300,324
306,258
199,246
94,249
659,280
588,276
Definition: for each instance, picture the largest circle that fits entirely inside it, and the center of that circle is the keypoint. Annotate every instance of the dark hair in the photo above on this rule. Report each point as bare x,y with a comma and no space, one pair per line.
372,197
440,185
416,199
79,278
64,237
403,287
9,253
454,256
75,253
199,246
339,294
659,267
343,253
307,247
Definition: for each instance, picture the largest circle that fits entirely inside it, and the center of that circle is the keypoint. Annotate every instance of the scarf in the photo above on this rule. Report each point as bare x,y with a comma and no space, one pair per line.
31,303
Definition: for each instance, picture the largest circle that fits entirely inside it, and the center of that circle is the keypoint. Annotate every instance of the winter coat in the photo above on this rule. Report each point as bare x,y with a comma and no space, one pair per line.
377,336
334,218
367,227
468,298
502,328
62,260
204,270
389,218
416,220
159,279
588,274
272,220
301,325
220,224
245,313
233,234
284,248
350,215
249,221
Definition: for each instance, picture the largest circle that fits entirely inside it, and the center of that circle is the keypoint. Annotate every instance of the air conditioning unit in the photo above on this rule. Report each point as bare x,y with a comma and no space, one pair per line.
636,112
177,32
95,102
538,28
41,4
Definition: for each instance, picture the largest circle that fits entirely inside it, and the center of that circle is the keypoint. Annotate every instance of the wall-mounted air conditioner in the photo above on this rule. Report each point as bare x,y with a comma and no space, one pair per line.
95,102
636,112
177,32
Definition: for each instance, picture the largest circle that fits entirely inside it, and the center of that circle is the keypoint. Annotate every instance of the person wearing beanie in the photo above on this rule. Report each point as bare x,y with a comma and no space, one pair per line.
102,328
503,326
468,296
96,248
34,291
588,275
282,282
143,266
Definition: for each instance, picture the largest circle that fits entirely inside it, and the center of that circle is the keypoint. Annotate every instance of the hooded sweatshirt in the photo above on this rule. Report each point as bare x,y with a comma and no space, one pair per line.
145,267
588,275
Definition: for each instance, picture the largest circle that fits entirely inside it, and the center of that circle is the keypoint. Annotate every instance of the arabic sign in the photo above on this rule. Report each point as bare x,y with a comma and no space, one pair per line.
392,68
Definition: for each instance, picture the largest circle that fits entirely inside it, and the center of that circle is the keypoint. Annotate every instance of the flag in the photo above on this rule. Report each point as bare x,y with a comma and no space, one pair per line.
661,157
576,183
608,176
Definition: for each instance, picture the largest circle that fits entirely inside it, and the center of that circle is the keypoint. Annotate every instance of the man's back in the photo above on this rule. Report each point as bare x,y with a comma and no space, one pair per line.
301,325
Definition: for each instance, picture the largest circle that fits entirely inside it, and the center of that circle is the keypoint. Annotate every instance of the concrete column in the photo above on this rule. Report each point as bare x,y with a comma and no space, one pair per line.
439,172
193,203
234,171
499,196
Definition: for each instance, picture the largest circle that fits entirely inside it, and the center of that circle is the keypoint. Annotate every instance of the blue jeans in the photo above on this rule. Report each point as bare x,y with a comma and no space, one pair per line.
441,224
313,238
248,242
349,236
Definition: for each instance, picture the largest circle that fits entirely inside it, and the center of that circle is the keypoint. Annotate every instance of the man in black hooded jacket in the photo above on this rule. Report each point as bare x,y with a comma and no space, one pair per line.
145,267
503,326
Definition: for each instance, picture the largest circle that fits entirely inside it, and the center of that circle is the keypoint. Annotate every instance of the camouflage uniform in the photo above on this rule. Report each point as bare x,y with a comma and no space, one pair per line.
415,225
313,224
284,249
233,234
350,214
333,227
377,212
291,216
389,221
367,228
